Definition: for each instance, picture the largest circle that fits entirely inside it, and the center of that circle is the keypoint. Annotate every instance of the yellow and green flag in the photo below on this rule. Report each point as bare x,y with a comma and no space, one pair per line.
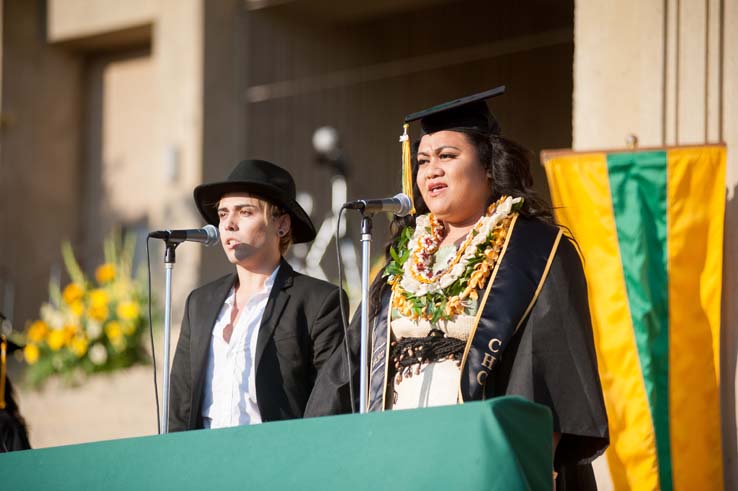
649,224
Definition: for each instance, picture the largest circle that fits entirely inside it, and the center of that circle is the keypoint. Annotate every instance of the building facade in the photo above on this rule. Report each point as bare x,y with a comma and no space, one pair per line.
112,112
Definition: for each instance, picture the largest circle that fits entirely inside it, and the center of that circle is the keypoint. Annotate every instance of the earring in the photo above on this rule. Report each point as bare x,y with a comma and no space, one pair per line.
280,233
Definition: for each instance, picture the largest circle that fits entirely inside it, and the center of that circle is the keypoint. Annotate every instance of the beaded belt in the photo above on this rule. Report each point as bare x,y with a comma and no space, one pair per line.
411,354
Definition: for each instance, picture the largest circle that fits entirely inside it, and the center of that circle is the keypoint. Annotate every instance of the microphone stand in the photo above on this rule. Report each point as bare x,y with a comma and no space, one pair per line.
366,239
169,260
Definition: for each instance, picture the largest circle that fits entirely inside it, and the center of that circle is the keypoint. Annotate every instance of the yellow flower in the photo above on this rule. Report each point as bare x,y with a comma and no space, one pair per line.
56,339
72,293
98,312
453,305
105,273
113,331
475,278
69,331
31,353
77,308
99,298
79,346
128,311
37,331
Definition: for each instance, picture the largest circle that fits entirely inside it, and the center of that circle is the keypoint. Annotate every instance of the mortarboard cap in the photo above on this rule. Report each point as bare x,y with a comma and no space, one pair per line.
466,112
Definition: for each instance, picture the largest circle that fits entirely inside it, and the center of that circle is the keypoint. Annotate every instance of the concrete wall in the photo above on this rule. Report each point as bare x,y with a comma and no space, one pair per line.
102,123
40,159
618,57
667,72
74,19
654,69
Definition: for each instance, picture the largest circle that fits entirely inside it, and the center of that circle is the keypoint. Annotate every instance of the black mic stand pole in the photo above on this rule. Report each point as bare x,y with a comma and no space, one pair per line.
169,259
366,239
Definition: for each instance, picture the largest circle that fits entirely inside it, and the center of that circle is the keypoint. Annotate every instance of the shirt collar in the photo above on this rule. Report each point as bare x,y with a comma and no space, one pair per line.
268,284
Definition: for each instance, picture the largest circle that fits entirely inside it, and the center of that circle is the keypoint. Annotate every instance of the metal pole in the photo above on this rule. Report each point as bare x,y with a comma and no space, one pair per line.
169,260
366,239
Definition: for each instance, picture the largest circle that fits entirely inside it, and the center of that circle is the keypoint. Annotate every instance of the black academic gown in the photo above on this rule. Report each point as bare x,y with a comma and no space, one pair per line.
552,361
13,436
301,328
549,360
13,431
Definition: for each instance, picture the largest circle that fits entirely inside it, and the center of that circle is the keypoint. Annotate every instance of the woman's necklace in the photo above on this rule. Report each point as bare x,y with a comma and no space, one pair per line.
419,292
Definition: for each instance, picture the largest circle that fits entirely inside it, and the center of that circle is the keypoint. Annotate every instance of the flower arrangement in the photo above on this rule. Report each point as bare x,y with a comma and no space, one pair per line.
418,292
93,324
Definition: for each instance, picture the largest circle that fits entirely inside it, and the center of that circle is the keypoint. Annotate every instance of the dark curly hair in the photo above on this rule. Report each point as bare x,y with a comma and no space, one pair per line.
509,165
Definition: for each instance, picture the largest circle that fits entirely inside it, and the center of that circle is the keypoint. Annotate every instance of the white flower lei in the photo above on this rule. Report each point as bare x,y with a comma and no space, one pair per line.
484,226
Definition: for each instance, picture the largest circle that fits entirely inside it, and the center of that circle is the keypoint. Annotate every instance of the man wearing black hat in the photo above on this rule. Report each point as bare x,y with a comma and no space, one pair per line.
252,343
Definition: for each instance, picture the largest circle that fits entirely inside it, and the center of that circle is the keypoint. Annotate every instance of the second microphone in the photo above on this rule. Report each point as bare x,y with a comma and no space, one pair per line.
399,204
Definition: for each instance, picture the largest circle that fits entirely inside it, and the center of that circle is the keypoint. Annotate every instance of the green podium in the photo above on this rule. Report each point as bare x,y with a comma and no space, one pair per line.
503,443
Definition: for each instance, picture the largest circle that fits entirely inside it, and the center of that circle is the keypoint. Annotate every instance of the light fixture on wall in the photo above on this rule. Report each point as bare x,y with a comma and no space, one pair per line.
326,143
327,146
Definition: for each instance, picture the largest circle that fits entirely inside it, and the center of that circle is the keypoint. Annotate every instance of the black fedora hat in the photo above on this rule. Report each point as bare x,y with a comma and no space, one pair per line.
262,179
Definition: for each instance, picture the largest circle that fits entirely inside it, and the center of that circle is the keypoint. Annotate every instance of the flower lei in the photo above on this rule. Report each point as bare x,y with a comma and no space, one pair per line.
418,292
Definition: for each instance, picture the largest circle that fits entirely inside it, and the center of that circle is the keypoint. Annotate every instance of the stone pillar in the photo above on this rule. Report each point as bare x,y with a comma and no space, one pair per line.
668,73
728,132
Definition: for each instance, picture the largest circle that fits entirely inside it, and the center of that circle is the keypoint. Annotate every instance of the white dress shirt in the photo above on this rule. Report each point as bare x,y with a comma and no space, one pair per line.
229,395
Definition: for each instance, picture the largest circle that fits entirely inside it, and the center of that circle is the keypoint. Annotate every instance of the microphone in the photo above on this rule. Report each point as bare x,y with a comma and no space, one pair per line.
207,235
399,204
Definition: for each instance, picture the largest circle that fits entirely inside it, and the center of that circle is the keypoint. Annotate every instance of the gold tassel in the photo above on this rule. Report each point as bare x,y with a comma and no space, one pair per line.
407,170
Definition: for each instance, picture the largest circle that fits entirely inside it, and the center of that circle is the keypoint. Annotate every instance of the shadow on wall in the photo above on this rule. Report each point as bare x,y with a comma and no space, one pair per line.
729,341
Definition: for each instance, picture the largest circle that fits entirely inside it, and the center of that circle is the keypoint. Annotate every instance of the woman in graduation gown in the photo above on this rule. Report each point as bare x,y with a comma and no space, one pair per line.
483,295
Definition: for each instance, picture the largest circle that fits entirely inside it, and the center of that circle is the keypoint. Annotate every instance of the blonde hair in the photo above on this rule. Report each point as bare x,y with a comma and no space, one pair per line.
272,211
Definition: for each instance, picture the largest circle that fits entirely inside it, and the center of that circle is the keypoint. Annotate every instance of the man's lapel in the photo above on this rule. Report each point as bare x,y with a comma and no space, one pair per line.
275,306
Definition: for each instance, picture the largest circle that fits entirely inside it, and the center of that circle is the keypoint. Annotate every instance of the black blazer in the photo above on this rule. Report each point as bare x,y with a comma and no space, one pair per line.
300,330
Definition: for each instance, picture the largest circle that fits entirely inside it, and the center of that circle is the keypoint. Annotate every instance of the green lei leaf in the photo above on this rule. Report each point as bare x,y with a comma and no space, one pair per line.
433,305
399,254
393,254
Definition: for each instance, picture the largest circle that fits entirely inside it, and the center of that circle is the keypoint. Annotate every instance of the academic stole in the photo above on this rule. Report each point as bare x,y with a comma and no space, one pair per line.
505,304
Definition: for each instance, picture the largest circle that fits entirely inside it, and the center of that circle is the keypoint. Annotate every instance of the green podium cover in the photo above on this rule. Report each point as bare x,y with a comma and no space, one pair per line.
502,443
